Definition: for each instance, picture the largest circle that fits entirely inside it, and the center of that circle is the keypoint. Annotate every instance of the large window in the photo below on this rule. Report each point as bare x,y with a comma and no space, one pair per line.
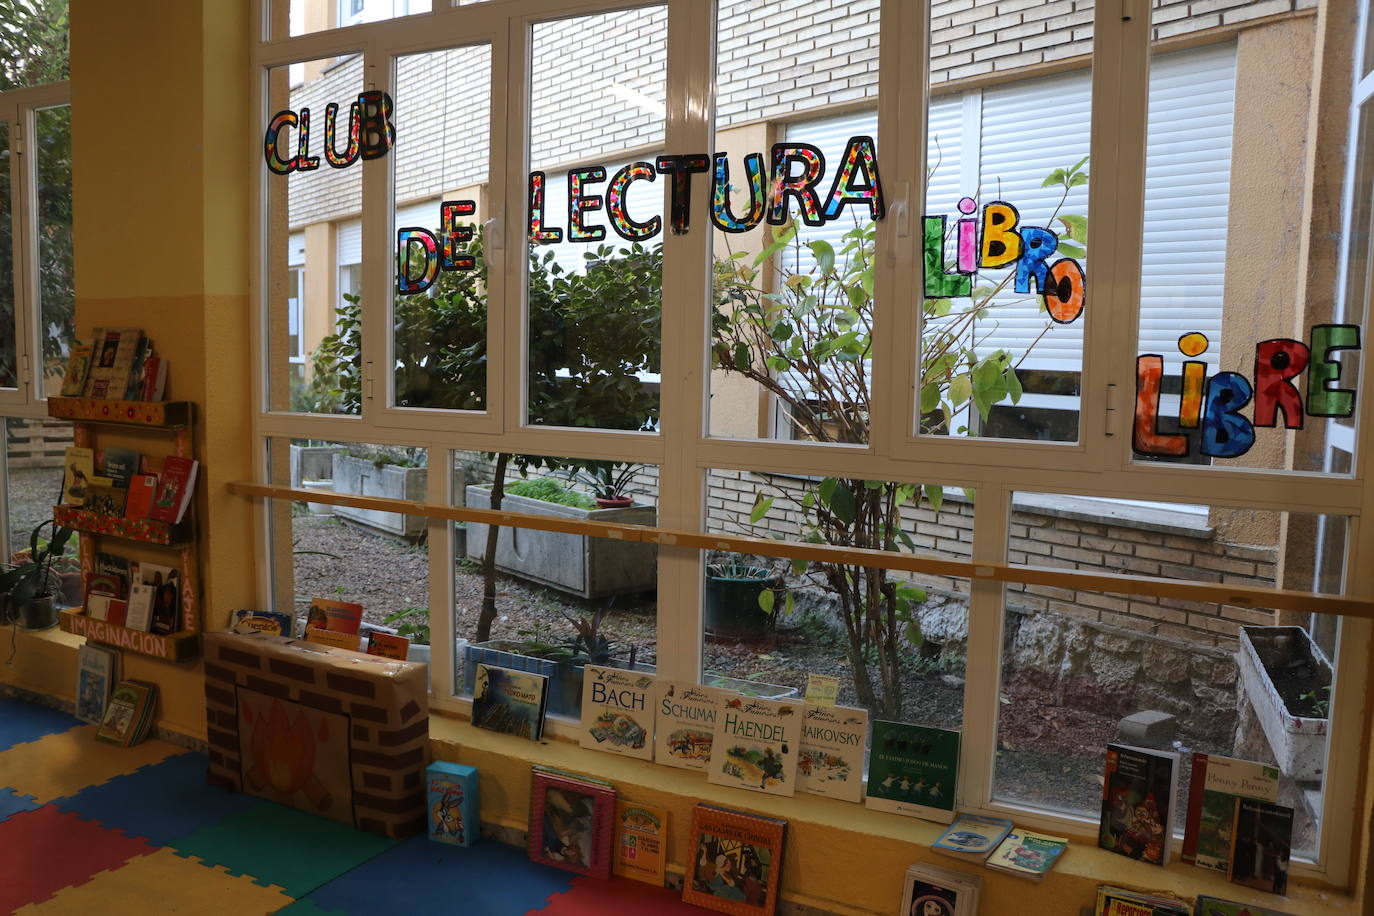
990,420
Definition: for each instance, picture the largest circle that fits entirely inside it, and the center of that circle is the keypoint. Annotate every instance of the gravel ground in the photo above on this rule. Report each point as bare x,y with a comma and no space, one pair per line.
32,494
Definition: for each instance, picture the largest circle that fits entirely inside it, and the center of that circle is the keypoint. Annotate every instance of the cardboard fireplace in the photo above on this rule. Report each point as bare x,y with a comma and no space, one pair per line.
325,730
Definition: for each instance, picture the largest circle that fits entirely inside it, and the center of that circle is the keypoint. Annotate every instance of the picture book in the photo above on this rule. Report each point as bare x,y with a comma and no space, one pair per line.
617,711
735,861
273,622
1216,784
572,824
641,842
79,468
1215,906
175,487
154,379
830,760
78,365
569,774
912,770
139,502
106,501
1262,840
452,802
350,641
387,645
1026,854
755,745
1138,793
120,465
95,678
1117,901
339,616
133,388
930,890
822,689
684,721
140,614
129,714
509,701
110,576
112,360
972,837
103,607
166,584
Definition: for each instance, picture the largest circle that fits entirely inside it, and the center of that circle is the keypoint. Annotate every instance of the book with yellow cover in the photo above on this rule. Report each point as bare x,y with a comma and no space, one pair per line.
641,842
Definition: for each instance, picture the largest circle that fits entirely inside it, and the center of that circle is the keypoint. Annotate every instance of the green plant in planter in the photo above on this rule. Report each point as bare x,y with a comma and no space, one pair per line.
32,585
610,481
412,622
548,490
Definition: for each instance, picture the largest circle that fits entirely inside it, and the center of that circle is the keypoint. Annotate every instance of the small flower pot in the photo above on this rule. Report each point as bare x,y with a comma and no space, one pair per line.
38,613
620,502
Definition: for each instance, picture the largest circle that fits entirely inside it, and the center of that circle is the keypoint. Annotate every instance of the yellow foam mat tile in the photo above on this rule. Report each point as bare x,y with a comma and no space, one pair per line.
59,765
163,882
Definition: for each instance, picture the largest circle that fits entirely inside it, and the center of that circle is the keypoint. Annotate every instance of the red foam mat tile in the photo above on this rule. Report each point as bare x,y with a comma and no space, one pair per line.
594,897
47,849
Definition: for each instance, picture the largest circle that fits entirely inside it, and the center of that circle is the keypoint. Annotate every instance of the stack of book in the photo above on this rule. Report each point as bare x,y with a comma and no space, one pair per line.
129,485
129,714
118,364
1000,845
1116,901
140,596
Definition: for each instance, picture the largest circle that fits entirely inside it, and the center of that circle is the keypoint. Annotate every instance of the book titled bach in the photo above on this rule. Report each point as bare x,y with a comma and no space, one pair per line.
735,863
912,770
617,711
1138,793
451,798
831,760
504,700
755,745
1215,785
684,723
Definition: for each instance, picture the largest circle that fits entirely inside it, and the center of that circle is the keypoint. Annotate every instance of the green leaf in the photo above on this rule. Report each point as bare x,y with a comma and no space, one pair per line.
826,490
1075,227
936,495
1053,178
781,331
970,493
778,363
766,599
1071,249
1078,179
930,397
1013,383
960,389
760,509
789,606
842,504
741,356
824,255
798,567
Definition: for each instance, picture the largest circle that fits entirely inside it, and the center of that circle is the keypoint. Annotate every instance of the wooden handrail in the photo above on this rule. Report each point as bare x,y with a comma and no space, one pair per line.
1114,583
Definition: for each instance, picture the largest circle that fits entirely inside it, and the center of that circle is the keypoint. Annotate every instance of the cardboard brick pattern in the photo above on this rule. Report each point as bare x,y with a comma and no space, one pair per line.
386,702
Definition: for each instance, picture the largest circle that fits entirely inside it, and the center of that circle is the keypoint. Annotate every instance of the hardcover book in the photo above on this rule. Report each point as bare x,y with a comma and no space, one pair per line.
95,679
387,645
175,487
571,824
1138,792
103,607
273,622
129,714
972,837
1117,901
154,378
120,465
933,891
755,745
107,502
140,614
735,863
617,711
133,388
831,759
1262,842
110,576
1215,785
1027,855
452,802
139,502
166,584
78,365
912,770
1215,906
509,701
684,722
339,616
111,362
641,842
76,480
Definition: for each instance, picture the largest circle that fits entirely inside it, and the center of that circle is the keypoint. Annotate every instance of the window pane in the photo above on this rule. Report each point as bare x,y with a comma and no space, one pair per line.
34,47
8,377
306,16
774,621
794,223
34,460
439,316
594,293
56,288
560,601
314,242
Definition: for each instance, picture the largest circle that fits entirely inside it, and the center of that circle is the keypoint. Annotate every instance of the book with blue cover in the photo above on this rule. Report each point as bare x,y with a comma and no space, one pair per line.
452,802
972,837
514,702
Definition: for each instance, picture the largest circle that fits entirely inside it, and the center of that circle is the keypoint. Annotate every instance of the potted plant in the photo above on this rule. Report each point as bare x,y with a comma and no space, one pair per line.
32,586
609,482
740,600
1287,680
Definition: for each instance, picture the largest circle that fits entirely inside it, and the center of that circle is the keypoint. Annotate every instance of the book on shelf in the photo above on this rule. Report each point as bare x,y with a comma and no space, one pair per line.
930,890
972,837
572,824
1118,901
685,721
78,469
912,770
165,582
110,610
1027,854
327,637
387,645
735,861
95,679
274,622
1261,844
106,501
641,842
154,381
140,614
133,388
1139,791
139,502
618,711
331,614
755,745
110,576
175,487
120,465
1215,785
451,795
514,702
129,714
830,761
112,361
78,365
1216,906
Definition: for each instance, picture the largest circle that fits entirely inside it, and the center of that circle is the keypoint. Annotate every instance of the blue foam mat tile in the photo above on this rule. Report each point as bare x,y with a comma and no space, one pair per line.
162,802
307,908
421,876
22,722
11,803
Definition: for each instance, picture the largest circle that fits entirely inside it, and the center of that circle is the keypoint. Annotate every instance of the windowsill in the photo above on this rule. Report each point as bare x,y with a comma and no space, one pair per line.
831,842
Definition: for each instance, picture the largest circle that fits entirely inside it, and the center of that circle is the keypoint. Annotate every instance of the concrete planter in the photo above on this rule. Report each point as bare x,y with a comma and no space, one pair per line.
1298,742
364,478
577,564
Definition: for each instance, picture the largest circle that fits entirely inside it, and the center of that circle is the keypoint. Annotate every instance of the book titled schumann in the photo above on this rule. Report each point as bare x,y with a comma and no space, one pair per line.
755,745
684,723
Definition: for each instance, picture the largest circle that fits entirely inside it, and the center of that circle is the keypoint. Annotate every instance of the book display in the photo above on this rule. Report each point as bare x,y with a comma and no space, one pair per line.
617,711
641,842
912,770
1139,791
755,745
452,802
735,863
572,824
933,891
1218,783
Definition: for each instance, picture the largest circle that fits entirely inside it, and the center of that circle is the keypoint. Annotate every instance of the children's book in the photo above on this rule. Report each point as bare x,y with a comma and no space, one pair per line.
933,891
139,503
80,468
103,607
110,576
350,641
822,689
95,679
1117,901
452,802
684,722
831,759
112,362
140,614
755,745
273,622
1216,784
107,502
912,770
509,701
735,863
133,388
166,585
618,711
1262,841
1138,793
641,842
387,645
154,378
1027,855
129,714
120,465
339,616
175,487
572,824
972,837
1215,906
78,365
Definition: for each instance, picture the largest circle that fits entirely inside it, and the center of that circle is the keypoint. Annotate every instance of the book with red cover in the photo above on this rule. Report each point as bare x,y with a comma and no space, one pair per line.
174,488
734,861
339,616
387,645
154,381
142,487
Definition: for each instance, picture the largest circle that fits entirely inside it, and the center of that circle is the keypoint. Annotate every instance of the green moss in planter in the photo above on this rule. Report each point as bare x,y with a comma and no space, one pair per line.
550,491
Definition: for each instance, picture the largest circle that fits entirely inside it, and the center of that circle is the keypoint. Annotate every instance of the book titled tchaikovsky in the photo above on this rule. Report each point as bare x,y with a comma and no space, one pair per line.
912,770
618,711
831,760
755,745
684,722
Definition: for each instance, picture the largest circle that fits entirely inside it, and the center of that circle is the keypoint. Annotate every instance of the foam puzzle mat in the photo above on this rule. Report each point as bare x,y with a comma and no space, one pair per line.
92,828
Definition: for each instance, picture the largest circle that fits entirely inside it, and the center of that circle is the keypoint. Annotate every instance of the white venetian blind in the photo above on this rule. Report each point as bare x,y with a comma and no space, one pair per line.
830,135
643,201
349,242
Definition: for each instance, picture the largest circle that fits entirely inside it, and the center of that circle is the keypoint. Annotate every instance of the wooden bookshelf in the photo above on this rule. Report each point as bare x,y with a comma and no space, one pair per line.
143,530
175,647
158,414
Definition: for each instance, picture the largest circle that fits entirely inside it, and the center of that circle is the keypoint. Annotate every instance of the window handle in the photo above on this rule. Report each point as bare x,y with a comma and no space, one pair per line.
901,211
494,234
